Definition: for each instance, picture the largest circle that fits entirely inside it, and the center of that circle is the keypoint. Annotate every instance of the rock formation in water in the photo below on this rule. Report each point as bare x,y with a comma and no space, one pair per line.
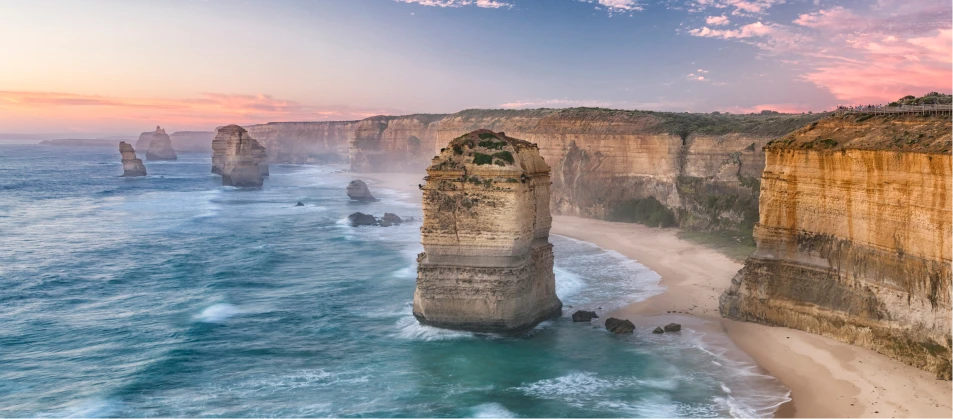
160,147
131,166
144,140
357,190
700,171
658,330
238,156
619,326
673,327
854,238
487,263
220,150
584,316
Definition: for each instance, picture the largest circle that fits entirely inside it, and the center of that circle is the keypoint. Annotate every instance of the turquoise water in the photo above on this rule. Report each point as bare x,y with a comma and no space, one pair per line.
171,295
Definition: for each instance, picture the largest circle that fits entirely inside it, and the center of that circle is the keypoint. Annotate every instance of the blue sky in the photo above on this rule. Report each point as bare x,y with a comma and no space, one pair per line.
112,65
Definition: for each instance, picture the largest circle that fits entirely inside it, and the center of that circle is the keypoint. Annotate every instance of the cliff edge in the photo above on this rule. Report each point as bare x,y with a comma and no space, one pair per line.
487,264
854,237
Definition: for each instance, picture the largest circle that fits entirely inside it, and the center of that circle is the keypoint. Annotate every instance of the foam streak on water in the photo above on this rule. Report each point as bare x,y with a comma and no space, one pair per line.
171,295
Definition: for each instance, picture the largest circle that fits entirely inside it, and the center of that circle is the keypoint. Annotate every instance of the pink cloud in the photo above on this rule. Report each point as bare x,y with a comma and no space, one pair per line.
486,4
51,109
717,20
777,107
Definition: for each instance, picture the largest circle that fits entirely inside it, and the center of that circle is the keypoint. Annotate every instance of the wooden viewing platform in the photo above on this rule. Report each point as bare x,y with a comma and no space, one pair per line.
932,108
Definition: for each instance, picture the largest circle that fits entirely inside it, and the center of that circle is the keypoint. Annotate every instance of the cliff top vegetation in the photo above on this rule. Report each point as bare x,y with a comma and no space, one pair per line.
922,133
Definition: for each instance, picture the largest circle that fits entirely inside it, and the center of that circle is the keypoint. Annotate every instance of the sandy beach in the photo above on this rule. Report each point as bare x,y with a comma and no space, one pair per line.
827,378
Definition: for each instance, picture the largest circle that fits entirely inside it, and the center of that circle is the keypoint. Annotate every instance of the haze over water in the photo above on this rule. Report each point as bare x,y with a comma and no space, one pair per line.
171,295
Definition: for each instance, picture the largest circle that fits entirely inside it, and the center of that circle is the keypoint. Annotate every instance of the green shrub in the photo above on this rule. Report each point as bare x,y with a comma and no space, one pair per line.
648,211
487,136
480,158
505,156
493,145
456,150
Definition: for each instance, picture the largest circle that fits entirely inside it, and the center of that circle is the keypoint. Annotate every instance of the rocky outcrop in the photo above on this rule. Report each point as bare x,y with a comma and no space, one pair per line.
358,219
357,190
131,166
702,168
584,316
219,147
239,156
196,141
160,147
487,263
854,237
673,327
658,330
619,326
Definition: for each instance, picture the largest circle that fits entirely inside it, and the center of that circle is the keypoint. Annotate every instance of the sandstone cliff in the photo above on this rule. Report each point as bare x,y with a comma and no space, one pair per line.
219,146
487,263
854,237
160,147
239,157
703,168
131,166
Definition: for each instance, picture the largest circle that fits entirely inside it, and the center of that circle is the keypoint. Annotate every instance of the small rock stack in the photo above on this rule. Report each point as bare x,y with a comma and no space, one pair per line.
131,166
160,147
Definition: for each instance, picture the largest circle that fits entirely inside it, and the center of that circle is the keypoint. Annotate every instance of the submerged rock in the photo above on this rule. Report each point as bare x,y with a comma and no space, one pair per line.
619,326
673,327
160,147
487,264
658,330
299,204
238,155
361,219
357,190
584,316
131,166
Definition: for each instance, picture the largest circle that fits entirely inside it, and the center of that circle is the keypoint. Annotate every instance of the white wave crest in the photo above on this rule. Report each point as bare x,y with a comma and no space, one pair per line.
217,313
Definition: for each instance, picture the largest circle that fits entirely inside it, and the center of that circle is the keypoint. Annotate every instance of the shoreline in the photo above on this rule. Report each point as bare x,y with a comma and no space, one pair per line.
827,378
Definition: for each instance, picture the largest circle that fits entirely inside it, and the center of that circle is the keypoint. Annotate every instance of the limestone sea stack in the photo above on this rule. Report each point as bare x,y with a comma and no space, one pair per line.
144,140
357,191
487,264
240,157
160,147
131,166
219,146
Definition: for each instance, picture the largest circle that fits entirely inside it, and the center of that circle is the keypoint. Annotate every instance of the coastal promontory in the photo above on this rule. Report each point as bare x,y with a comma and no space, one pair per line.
854,236
487,264
160,146
131,166
239,156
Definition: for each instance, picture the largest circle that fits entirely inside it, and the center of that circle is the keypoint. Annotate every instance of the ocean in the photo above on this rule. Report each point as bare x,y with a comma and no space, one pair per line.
170,295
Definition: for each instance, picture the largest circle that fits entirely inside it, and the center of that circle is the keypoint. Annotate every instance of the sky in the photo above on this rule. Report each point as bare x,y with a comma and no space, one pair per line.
124,66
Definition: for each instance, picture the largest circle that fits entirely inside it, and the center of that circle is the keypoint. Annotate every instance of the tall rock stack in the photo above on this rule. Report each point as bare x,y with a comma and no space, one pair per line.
131,166
219,147
238,156
487,264
160,147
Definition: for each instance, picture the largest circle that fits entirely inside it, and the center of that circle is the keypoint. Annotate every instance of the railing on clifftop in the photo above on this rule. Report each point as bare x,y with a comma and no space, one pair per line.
884,109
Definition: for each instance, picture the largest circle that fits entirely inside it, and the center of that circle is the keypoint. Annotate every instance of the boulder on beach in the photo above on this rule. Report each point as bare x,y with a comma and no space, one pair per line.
361,219
658,330
357,191
673,327
584,316
619,326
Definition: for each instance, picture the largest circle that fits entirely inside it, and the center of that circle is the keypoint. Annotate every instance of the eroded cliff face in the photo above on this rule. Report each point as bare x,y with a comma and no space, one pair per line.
131,166
240,157
854,237
703,168
487,263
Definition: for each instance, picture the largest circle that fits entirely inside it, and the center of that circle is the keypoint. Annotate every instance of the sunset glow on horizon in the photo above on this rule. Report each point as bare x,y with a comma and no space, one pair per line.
108,66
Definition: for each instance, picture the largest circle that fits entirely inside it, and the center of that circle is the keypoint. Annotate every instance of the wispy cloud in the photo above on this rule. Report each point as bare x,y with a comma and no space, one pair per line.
202,112
487,4
617,6
553,103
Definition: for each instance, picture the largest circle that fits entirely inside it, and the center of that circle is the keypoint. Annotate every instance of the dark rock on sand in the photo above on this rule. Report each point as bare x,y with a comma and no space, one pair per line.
673,327
658,331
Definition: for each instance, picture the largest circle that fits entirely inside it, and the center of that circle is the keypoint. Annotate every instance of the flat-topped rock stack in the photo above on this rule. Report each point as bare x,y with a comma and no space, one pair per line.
160,146
131,166
487,264
238,155
219,146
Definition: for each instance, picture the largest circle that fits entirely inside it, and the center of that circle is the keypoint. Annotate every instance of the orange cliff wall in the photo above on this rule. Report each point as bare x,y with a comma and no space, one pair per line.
854,237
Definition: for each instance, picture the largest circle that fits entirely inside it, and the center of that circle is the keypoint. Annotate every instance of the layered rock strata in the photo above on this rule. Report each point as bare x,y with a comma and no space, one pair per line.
160,146
702,168
487,264
220,150
131,166
854,237
239,157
